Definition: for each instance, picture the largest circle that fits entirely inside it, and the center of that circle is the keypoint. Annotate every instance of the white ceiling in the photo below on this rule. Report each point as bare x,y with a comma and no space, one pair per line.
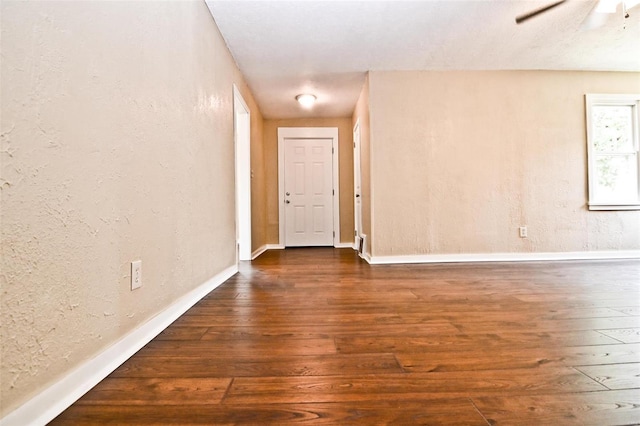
284,48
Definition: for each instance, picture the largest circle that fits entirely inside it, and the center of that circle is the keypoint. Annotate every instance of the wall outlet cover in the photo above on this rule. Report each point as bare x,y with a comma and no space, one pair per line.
136,274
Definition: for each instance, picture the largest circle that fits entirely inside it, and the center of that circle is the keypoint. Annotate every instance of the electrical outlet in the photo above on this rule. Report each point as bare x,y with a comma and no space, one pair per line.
523,231
136,274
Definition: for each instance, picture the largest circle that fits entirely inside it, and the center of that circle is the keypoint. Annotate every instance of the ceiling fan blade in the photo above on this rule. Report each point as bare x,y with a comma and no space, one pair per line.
520,19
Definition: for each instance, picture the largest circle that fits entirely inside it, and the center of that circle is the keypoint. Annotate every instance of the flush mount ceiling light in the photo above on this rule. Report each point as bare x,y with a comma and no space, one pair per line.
306,100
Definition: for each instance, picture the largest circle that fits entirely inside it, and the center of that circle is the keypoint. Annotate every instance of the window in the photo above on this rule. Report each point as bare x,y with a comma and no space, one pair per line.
613,145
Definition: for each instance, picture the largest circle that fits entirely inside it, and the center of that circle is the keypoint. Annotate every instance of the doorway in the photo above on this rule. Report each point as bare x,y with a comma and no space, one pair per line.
308,186
242,139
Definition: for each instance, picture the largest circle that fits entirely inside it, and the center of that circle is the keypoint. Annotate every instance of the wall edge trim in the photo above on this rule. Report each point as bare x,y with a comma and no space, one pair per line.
53,400
504,257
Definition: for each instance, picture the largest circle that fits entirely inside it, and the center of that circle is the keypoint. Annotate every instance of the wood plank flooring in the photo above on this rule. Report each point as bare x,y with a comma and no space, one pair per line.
316,335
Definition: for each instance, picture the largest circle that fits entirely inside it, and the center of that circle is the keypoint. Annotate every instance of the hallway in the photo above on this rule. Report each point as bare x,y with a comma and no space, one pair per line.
318,335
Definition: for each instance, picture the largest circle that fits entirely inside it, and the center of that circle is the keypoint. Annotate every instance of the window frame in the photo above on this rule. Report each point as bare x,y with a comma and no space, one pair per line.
592,100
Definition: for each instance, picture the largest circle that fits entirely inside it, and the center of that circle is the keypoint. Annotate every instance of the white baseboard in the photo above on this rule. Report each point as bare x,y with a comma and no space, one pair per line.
281,247
503,257
258,252
345,245
264,248
53,400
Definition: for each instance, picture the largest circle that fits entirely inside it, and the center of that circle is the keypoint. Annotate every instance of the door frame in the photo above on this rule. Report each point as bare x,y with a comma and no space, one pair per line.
285,133
357,178
242,148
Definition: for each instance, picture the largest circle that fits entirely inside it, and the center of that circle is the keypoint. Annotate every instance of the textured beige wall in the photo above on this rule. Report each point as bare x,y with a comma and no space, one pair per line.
258,182
361,113
117,144
461,159
345,137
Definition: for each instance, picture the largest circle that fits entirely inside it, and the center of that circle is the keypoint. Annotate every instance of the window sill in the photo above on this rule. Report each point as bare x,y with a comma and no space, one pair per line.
601,206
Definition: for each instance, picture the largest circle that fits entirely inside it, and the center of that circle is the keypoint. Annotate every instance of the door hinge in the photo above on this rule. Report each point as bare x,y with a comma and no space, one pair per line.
334,234
332,150
333,192
354,145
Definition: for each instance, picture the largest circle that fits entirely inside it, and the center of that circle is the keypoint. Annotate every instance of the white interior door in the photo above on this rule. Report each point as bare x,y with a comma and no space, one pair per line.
308,198
357,187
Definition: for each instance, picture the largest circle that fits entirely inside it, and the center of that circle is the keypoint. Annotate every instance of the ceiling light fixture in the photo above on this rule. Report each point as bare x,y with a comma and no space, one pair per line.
306,100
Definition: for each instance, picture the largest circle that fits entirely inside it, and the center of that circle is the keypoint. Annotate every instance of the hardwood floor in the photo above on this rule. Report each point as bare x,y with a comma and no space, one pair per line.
317,335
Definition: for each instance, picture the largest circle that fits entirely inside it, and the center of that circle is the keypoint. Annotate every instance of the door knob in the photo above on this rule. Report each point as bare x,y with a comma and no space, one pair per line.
287,201
357,195
288,193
